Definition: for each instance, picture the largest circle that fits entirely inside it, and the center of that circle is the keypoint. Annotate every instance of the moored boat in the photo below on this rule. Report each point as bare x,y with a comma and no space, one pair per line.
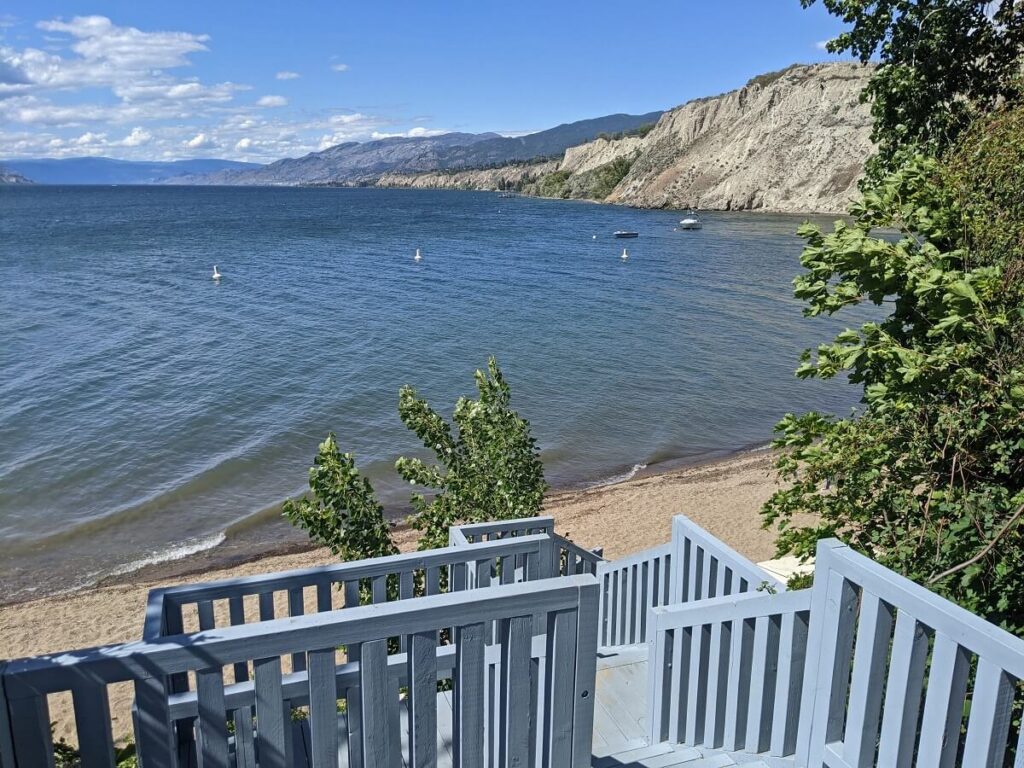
620,233
690,221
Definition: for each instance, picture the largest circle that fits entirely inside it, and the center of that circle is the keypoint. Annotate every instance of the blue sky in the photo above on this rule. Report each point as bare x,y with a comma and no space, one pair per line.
261,80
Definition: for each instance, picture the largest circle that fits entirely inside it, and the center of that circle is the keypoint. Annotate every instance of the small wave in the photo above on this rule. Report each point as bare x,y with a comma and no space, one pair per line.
179,552
620,478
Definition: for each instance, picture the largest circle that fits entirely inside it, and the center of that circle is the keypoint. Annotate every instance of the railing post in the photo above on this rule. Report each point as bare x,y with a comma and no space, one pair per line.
676,563
586,674
549,558
153,733
29,725
6,734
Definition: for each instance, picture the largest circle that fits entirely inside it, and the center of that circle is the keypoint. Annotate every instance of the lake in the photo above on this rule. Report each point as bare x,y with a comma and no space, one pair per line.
147,411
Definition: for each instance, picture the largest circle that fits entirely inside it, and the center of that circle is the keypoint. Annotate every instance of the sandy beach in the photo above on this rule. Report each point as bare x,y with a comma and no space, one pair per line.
723,496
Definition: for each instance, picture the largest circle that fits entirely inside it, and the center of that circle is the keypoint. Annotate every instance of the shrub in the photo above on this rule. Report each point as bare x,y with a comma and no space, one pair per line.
928,478
488,469
603,179
342,512
488,464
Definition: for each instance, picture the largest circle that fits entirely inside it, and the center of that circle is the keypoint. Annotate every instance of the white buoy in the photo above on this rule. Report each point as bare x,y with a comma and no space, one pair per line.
593,237
216,275
417,257
625,255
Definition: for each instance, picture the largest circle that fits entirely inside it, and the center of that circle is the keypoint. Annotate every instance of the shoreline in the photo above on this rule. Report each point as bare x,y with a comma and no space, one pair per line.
253,538
230,551
723,495
520,193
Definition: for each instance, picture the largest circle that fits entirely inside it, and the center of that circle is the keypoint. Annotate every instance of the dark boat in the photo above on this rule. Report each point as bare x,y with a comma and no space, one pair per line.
623,233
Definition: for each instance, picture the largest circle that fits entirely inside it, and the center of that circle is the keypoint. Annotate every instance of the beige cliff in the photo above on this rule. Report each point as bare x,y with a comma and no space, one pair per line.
794,141
789,141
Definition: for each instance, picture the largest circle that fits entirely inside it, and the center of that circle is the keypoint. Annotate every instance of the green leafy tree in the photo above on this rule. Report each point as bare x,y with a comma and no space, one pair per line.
488,469
488,464
928,478
941,64
342,511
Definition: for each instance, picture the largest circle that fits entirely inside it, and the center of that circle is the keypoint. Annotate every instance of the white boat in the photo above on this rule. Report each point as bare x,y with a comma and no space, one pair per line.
690,221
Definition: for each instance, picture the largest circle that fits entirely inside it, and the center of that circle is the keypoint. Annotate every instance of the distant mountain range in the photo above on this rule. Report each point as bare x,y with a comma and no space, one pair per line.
354,163
105,170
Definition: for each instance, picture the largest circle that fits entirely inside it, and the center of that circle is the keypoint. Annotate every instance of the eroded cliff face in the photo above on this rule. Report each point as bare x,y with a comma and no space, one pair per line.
795,141
594,154
790,141
503,177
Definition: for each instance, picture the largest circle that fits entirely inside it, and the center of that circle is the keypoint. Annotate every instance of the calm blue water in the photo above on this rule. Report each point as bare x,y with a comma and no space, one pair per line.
146,410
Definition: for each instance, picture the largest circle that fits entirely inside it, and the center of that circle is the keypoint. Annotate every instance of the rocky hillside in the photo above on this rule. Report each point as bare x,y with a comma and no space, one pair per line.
794,140
515,176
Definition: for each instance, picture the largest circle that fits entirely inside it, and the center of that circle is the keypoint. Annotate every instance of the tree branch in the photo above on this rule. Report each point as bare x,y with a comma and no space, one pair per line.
985,551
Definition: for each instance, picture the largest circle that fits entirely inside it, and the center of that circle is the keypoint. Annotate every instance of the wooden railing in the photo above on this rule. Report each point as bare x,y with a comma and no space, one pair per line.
872,630
727,672
694,566
704,567
325,588
629,587
561,558
460,535
526,700
864,669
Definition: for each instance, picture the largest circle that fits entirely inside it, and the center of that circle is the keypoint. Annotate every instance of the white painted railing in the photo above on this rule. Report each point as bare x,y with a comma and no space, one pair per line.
528,699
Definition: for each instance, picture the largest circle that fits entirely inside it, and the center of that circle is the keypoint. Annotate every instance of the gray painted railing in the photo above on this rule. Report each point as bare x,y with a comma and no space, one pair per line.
866,668
727,672
528,699
335,587
343,586
704,567
460,535
561,558
872,630
693,566
629,587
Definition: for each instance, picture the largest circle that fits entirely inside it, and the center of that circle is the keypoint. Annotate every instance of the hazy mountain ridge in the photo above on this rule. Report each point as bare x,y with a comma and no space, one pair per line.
789,141
355,163
106,170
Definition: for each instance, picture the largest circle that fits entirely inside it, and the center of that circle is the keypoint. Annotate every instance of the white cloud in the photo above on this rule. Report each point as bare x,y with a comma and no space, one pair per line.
417,132
95,87
137,138
272,101
200,141
95,54
822,45
98,40
348,119
90,138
